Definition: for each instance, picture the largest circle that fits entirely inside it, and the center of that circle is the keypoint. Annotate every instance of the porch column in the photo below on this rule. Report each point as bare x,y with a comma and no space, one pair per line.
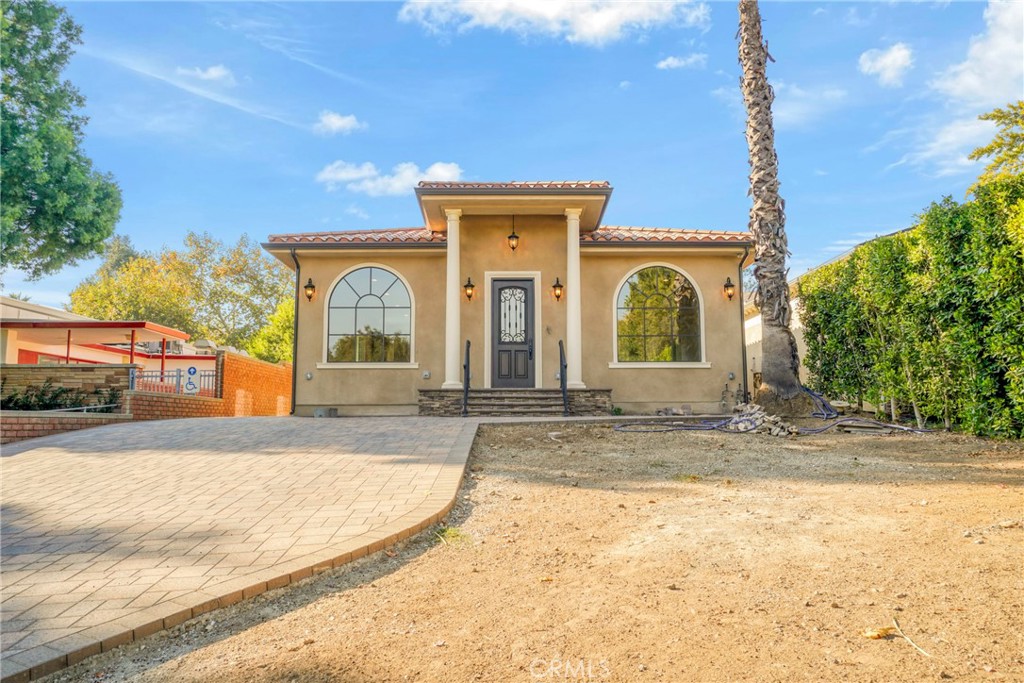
452,302
573,298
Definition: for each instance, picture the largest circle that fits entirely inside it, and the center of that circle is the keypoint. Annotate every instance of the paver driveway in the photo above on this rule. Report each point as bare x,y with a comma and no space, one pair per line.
113,533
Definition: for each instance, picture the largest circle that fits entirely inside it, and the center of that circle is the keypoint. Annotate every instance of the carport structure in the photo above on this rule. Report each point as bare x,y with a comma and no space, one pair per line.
55,338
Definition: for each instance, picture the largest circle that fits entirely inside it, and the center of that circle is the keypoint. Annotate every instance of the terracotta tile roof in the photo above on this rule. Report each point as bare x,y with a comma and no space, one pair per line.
621,234
606,234
389,236
516,185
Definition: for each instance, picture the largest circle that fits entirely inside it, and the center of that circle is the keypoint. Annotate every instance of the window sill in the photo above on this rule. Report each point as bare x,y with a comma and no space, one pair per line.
367,366
663,366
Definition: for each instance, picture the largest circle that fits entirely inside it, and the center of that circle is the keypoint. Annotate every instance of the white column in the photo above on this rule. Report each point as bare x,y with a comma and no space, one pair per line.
573,298
452,303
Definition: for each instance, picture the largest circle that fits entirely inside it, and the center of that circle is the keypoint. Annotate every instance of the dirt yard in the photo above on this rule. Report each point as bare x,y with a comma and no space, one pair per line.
578,553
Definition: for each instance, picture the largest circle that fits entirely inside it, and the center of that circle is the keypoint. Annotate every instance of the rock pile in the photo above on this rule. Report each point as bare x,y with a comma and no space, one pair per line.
753,417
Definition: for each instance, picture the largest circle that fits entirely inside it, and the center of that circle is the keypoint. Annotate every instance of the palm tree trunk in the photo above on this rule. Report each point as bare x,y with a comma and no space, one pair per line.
780,364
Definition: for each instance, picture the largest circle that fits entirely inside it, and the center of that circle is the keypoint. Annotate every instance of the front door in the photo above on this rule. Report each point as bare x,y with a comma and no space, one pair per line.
512,334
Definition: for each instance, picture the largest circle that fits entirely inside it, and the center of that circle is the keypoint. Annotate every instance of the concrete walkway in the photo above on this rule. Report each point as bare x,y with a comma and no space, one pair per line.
116,532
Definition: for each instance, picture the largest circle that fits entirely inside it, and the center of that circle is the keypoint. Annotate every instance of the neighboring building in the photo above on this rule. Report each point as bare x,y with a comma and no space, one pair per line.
31,334
752,338
159,374
514,269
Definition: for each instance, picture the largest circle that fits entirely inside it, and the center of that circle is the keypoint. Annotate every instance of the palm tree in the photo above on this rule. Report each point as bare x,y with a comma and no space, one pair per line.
780,364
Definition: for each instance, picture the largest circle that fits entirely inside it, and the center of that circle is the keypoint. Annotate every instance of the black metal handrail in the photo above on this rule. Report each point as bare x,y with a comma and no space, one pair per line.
561,378
465,383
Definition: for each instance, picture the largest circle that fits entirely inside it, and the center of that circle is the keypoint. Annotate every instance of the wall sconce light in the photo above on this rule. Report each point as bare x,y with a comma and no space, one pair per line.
729,288
513,238
310,289
557,289
469,288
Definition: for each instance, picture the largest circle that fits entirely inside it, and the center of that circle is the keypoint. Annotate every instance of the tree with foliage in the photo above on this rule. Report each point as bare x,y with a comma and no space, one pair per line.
273,342
236,287
836,332
224,293
56,208
143,287
933,313
780,364
1006,151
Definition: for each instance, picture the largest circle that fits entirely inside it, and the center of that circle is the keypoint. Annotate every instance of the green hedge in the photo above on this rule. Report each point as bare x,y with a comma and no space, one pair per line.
931,318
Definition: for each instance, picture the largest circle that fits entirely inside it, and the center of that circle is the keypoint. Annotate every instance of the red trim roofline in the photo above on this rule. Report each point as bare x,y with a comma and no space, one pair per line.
168,332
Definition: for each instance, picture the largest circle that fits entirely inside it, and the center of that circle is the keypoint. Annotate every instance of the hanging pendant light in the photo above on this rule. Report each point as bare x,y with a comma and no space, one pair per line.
513,238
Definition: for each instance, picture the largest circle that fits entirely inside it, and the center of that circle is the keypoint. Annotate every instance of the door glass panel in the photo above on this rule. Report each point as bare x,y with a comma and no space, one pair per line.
512,315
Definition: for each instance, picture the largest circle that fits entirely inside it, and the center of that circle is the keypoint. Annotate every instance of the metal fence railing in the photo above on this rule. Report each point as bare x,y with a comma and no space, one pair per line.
198,383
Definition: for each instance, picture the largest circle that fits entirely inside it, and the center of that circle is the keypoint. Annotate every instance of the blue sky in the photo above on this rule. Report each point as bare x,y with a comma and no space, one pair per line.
239,118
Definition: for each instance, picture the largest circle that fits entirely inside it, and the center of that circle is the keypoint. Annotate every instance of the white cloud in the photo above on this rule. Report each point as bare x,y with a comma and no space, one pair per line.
889,65
340,172
625,85
367,179
142,67
218,73
945,150
697,60
357,211
990,76
854,18
729,96
589,22
993,72
332,123
795,106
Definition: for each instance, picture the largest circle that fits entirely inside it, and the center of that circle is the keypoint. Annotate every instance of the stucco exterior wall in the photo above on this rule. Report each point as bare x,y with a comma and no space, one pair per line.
365,390
638,389
541,256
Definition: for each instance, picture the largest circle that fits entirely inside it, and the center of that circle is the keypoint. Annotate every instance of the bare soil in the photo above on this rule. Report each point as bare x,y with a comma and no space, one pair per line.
579,553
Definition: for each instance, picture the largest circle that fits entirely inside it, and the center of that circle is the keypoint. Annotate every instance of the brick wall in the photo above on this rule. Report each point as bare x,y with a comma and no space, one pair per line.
254,387
87,378
248,388
146,405
17,425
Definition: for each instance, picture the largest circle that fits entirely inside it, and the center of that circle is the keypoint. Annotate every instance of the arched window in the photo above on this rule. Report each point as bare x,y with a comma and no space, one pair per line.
369,318
658,318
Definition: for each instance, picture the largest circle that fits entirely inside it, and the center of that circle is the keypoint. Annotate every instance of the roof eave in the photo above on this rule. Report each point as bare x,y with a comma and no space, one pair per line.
528,190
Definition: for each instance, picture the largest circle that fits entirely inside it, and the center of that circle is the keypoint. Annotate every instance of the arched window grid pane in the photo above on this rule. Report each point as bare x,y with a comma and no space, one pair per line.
658,318
369,330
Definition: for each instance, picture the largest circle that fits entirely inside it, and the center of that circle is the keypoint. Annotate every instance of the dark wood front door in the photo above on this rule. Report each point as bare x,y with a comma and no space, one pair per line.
512,334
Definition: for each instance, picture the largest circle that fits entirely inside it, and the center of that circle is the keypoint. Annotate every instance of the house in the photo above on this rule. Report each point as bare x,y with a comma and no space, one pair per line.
506,275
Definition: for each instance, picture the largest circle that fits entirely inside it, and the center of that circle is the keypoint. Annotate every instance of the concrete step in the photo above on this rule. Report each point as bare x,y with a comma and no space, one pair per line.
525,401
491,412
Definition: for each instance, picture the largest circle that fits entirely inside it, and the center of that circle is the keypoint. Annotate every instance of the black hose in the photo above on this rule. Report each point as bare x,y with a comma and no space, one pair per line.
822,409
